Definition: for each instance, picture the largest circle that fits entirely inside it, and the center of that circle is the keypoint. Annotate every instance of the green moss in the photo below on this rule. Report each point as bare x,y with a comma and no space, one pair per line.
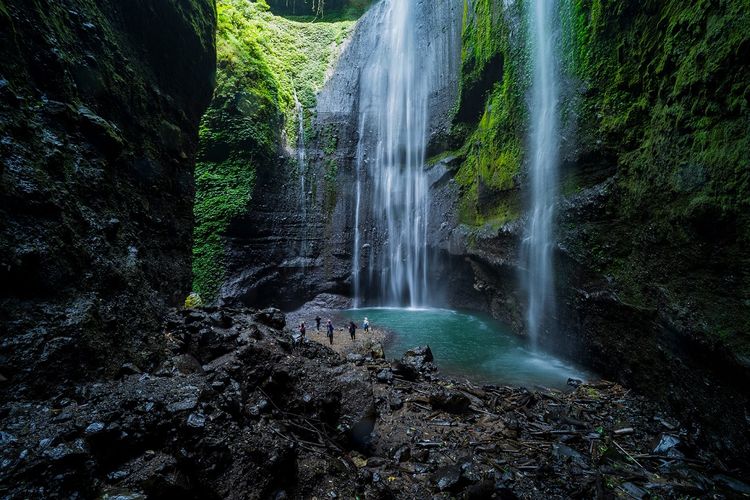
493,73
668,91
264,61
663,96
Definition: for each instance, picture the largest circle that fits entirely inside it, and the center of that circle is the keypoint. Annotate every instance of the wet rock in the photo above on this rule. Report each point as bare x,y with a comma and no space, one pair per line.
7,438
183,364
424,353
419,357
355,358
221,319
186,399
377,351
404,370
196,420
666,444
450,401
447,478
395,402
634,491
568,454
271,317
403,454
95,428
574,382
376,462
67,452
384,376
732,484
129,369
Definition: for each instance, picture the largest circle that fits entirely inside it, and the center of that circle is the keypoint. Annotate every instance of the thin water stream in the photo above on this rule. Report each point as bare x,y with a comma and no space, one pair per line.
544,145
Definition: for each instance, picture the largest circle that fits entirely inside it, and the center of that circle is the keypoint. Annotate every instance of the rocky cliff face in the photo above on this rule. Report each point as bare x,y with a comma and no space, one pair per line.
651,282
290,245
99,110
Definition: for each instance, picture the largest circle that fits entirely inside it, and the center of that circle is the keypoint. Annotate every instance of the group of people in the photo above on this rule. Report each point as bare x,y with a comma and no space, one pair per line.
329,328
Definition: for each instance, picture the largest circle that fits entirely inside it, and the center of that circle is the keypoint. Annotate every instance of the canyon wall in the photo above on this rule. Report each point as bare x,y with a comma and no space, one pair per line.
652,281
99,113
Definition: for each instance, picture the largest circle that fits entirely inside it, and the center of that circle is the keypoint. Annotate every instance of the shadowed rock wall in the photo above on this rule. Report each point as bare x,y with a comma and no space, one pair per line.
99,109
652,284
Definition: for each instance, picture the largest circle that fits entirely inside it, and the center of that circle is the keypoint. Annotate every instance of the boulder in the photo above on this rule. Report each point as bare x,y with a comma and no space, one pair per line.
450,401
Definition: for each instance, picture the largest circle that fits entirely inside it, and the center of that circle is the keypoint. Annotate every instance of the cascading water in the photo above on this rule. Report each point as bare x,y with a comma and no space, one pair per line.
302,169
544,145
393,123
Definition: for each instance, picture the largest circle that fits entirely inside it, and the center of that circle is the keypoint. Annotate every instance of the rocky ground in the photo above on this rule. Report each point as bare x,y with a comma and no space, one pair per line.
239,409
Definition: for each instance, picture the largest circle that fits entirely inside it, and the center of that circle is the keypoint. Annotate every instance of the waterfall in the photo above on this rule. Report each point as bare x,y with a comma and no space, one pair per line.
544,145
395,85
302,169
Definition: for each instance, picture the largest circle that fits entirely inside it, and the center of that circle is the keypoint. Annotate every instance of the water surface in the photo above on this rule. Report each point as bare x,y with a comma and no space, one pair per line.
467,345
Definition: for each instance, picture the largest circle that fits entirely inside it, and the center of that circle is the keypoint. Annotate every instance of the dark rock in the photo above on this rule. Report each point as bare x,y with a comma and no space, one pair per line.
420,358
186,364
480,491
355,358
424,353
186,399
377,351
567,453
384,376
395,402
95,428
221,319
129,369
196,420
87,274
634,491
7,438
403,454
404,370
732,484
376,462
271,317
574,382
450,401
448,478
666,443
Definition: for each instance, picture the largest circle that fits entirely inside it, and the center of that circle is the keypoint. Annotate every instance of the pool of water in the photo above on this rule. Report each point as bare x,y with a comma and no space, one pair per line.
469,345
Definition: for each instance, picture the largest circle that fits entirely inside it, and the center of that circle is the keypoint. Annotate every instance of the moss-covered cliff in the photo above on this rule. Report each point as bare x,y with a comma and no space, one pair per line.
667,101
99,113
491,114
267,64
653,277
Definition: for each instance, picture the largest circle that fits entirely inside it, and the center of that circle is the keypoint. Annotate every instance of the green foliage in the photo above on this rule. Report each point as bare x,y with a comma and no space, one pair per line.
264,61
193,300
493,61
661,93
668,87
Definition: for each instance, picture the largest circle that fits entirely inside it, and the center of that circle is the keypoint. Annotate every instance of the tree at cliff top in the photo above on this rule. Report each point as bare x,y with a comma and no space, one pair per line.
265,62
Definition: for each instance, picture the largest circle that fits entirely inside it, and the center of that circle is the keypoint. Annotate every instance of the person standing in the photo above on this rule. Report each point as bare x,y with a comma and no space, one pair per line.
302,330
352,329
317,322
329,327
366,325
